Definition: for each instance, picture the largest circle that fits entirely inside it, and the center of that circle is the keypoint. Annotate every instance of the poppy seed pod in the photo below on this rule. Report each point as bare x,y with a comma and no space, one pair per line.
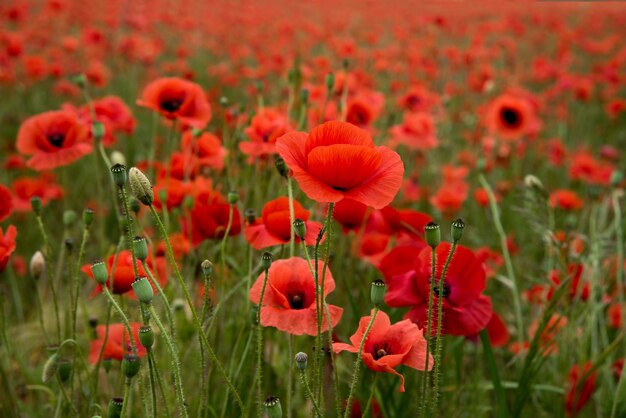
281,166
118,172
266,260
80,80
35,204
115,407
207,268
432,233
273,407
143,289
130,365
50,368
302,360
100,272
65,369
330,82
377,292
69,217
250,216
140,246
98,130
37,265
233,198
300,228
457,229
107,363
141,186
146,336
87,217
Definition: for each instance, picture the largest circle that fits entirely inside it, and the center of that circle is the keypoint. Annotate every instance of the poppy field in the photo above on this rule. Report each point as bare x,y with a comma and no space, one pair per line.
312,209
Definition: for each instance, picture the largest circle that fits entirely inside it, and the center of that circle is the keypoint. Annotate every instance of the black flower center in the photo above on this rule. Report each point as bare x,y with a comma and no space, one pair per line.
511,117
445,290
380,350
296,300
56,139
171,105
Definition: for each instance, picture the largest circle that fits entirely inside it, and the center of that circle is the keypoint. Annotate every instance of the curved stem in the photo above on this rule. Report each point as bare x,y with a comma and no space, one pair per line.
309,394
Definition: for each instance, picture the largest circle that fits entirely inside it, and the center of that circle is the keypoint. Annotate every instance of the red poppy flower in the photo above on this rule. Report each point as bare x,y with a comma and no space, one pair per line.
274,226
175,191
338,160
7,245
265,128
509,117
177,99
579,393
565,199
53,139
388,346
206,150
350,214
450,197
44,187
112,112
466,310
118,343
6,202
417,132
124,274
289,299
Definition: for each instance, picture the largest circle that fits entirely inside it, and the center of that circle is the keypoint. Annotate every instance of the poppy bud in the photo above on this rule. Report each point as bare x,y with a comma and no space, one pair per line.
266,260
130,365
146,336
115,407
533,182
346,64
377,292
616,178
100,272
80,80
457,229
196,132
207,268
433,234
118,171
273,408
65,369
481,164
134,206
281,166
233,198
87,217
330,82
141,186
140,246
69,217
107,363
93,322
37,265
302,360
300,227
50,368
188,202
98,130
178,305
118,158
224,101
143,289
35,204
250,216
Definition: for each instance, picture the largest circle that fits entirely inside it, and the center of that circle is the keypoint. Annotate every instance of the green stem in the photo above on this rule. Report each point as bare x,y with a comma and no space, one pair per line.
369,400
126,397
620,394
231,211
259,350
47,256
357,363
431,292
309,394
119,310
292,218
152,382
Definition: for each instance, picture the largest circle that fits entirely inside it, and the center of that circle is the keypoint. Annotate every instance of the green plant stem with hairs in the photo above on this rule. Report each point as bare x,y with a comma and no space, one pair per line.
194,314
231,211
259,349
292,218
125,402
309,394
47,257
426,375
619,400
357,362
119,310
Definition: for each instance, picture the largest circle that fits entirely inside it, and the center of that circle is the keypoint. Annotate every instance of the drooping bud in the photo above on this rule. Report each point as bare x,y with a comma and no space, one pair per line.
299,227
141,186
273,408
118,172
98,130
50,368
130,365
65,369
302,360
115,408
140,246
432,233
69,245
118,158
35,204
377,292
233,198
457,229
100,272
37,265
146,336
143,289
266,260
281,166
533,182
87,217
207,268
80,80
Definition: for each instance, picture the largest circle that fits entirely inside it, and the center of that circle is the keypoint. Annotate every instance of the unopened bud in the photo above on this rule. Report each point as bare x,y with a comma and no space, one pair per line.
233,198
87,217
118,158
330,82
616,178
302,360
69,217
141,186
207,268
281,166
98,130
80,80
50,368
35,204
37,265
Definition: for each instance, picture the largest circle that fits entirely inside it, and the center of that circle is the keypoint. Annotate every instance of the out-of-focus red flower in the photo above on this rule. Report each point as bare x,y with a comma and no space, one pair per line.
266,127
177,99
417,132
44,187
6,202
388,346
54,139
118,342
510,117
7,245
565,199
274,225
350,214
337,160
289,299
579,392
205,150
